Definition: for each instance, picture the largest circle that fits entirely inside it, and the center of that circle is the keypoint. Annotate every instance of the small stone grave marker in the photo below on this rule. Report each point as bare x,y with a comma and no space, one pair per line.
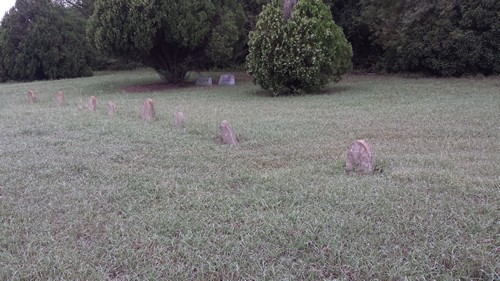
91,103
204,81
60,99
180,120
148,110
227,80
360,158
111,108
32,97
227,135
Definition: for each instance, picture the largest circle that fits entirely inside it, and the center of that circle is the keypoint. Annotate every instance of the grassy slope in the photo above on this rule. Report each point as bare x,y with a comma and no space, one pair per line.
84,196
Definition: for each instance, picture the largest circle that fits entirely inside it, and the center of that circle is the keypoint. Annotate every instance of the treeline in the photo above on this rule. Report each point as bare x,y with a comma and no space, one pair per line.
48,39
438,37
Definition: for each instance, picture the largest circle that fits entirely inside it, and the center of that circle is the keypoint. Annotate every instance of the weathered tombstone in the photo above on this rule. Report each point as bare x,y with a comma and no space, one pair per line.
227,135
91,103
204,81
111,108
32,97
148,110
227,80
360,158
180,120
60,99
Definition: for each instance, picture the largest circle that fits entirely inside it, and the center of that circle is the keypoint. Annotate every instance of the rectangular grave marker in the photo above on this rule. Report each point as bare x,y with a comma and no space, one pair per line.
32,97
227,135
111,108
227,80
148,110
180,120
60,99
91,103
360,158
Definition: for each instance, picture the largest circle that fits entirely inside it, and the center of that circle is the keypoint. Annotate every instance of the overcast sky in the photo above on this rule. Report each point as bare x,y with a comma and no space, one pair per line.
5,5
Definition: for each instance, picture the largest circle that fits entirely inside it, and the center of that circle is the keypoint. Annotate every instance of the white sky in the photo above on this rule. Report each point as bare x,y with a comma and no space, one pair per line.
5,6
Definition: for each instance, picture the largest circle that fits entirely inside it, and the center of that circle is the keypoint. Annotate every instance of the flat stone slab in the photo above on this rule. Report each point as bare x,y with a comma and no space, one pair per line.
360,158
204,81
227,80
227,135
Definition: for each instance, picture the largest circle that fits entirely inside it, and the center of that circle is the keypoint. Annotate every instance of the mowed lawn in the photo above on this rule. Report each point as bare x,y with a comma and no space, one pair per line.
84,196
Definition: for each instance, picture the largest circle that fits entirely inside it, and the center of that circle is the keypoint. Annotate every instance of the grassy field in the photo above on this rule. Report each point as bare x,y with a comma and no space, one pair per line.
87,197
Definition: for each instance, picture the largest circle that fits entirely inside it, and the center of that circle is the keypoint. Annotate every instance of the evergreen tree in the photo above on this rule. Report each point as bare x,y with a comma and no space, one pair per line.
42,40
172,36
297,47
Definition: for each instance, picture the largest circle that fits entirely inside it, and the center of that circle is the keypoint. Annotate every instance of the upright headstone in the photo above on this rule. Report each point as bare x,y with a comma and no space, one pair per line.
32,97
91,103
180,120
204,81
227,135
227,80
360,158
111,108
60,99
148,110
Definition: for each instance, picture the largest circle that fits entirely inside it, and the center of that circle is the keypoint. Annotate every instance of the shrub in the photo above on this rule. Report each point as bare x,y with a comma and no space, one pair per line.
298,54
42,40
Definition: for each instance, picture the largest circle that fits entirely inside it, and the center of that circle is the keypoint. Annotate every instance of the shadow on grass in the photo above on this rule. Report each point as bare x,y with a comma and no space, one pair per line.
330,90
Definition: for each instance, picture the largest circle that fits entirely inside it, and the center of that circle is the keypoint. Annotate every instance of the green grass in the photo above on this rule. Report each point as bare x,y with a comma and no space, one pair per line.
88,197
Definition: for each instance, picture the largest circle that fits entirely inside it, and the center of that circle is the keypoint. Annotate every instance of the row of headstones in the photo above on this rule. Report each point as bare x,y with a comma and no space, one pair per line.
224,79
60,100
359,158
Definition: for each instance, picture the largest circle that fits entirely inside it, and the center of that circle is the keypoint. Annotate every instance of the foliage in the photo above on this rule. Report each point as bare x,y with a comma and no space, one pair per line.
300,54
348,15
42,40
446,38
171,36
84,7
452,40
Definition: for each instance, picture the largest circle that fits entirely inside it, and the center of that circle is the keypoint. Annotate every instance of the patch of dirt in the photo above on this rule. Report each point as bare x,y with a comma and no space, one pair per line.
152,87
163,86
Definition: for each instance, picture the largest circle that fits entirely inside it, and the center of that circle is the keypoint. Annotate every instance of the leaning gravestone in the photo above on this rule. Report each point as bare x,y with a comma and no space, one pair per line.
60,99
360,158
204,81
32,97
148,110
111,108
91,103
180,120
227,135
227,80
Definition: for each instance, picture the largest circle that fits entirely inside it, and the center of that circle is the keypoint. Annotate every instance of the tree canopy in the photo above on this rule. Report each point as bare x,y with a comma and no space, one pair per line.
172,36
41,40
446,38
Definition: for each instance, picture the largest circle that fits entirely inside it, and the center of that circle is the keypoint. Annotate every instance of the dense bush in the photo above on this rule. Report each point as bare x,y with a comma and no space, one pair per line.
171,36
444,38
42,40
453,40
301,53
